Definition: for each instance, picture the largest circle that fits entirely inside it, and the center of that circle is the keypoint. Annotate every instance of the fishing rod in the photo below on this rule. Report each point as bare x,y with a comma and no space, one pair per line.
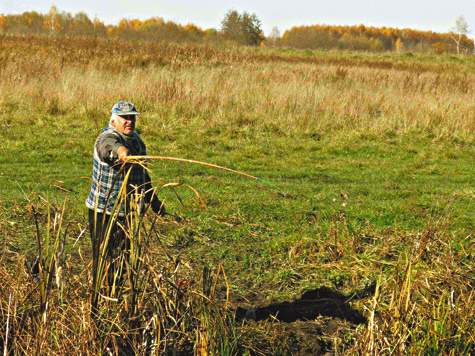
162,158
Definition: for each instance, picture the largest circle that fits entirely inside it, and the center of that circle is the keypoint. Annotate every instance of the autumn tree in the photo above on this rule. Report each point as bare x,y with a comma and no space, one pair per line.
81,25
459,31
274,35
244,28
399,45
34,22
99,27
3,24
128,29
53,22
312,37
212,35
193,29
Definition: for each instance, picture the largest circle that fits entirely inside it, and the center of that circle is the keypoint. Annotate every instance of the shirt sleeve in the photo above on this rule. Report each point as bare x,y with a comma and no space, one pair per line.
107,146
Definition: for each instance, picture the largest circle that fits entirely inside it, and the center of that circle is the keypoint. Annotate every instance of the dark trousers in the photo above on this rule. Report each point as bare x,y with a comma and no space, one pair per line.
117,248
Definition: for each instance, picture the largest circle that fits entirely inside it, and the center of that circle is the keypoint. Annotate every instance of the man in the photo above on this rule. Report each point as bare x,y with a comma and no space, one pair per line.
116,142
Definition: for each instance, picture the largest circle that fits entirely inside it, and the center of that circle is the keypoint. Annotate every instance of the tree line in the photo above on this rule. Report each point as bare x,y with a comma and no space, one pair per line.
375,39
239,28
242,28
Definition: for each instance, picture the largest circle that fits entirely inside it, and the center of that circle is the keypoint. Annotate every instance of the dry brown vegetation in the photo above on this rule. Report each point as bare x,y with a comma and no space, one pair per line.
277,90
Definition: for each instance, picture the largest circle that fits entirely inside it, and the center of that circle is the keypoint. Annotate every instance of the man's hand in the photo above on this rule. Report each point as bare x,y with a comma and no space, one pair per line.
122,153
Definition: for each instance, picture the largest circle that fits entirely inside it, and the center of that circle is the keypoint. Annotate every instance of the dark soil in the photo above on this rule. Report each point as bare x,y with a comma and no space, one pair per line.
320,322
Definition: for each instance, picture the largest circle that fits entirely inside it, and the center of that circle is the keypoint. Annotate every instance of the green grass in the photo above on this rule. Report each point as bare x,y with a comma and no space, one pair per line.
383,177
392,183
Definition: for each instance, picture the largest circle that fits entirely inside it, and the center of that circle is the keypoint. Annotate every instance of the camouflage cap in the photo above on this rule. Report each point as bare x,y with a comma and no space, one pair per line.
124,108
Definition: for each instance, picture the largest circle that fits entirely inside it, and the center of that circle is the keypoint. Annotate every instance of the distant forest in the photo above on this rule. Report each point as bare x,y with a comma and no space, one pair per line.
241,29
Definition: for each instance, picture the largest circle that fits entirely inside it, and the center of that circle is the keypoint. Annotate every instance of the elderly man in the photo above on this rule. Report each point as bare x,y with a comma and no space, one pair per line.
116,142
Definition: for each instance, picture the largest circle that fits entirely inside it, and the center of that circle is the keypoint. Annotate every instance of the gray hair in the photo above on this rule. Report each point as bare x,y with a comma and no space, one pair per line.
112,119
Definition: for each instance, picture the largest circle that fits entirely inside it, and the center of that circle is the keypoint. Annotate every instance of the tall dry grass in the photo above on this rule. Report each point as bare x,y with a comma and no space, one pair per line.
426,308
202,87
60,304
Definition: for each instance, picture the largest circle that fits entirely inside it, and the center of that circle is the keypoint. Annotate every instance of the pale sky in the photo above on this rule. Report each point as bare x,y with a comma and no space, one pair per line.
426,15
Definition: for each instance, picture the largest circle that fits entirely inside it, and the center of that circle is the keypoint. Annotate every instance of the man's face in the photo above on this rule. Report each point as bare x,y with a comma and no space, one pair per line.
125,124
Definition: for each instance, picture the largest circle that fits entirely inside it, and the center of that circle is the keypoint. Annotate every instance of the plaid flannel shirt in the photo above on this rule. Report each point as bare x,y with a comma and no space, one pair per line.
107,177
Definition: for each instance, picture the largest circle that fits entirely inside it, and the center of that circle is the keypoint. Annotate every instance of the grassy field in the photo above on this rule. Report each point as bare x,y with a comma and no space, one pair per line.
372,251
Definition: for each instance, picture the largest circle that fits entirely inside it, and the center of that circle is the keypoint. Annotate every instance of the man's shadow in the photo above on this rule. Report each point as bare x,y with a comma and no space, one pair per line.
313,303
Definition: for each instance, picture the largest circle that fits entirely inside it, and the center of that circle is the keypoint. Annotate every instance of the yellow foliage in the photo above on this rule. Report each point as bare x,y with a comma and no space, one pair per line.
3,23
193,29
399,45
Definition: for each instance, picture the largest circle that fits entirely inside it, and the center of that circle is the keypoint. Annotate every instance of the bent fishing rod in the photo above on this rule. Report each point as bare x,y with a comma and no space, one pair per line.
162,158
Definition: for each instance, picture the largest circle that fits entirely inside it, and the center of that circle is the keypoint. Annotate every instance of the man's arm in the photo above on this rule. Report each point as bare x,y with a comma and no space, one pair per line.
110,149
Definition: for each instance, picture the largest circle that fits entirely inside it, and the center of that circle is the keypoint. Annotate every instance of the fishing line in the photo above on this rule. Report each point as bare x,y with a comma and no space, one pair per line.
162,158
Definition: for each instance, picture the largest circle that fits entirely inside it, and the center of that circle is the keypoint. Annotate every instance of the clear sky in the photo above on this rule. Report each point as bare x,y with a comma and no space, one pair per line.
426,15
